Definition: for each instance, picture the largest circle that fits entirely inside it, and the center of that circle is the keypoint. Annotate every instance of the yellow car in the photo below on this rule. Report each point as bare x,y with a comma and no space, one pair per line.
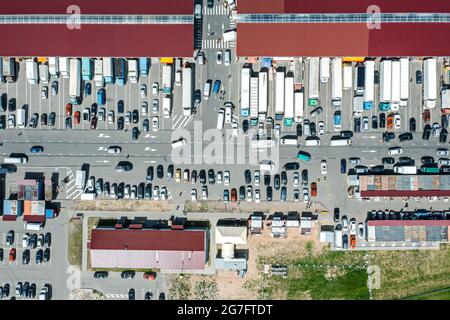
178,175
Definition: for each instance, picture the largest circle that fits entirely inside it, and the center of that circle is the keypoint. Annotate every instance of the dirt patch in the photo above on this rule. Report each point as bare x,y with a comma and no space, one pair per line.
123,205
75,242
86,294
249,207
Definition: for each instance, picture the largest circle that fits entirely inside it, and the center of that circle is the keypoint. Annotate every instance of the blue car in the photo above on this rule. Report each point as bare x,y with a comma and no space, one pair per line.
101,97
37,149
88,89
216,87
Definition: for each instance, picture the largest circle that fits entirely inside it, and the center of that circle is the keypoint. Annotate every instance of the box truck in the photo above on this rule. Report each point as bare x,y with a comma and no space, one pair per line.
279,95
187,91
43,73
98,73
404,81
369,84
336,82
108,70
9,70
167,106
133,71
324,69
31,67
347,75
143,66
405,169
167,78
80,179
262,95
429,83
53,67
254,115
395,91
245,91
313,82
289,101
64,67
86,69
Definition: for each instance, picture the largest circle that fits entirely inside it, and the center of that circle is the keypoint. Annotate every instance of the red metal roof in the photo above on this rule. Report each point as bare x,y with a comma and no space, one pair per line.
142,7
341,6
142,239
151,40
405,193
342,39
408,223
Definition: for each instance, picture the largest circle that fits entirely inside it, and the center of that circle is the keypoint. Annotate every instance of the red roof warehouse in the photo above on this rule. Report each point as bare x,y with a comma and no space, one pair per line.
341,38
171,39
148,248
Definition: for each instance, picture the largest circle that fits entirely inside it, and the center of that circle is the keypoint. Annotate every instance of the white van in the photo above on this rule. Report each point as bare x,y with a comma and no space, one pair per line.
34,226
15,160
220,119
178,78
266,165
340,142
21,118
312,142
207,90
179,143
289,141
338,238
228,112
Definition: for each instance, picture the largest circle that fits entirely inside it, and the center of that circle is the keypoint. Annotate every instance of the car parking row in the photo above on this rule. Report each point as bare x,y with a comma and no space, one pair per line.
34,244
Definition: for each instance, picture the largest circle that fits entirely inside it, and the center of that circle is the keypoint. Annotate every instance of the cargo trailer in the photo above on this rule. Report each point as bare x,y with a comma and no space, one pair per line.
75,81
120,71
279,95
336,82
98,73
64,67
385,84
86,69
429,83
298,106
404,81
313,82
167,78
245,91
108,70
324,69
360,79
288,101
53,67
133,73
347,75
187,91
369,84
262,95
31,67
43,73
143,66
395,91
9,70
254,112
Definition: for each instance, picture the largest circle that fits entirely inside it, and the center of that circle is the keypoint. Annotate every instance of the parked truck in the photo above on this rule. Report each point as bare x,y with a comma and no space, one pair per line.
395,92
108,70
75,81
53,67
64,67
324,69
279,95
429,83
405,169
360,79
369,84
254,112
86,69
289,101
98,73
347,75
358,102
187,91
167,106
143,66
262,95
313,83
133,72
120,71
445,99
44,76
80,179
31,67
336,82
9,69
298,106
404,81
245,91
167,78
385,84
2,78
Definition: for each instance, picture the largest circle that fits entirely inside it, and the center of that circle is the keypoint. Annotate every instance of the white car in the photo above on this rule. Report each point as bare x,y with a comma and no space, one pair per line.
90,184
235,128
143,91
163,193
155,123
127,191
277,130
25,240
344,223
86,115
305,195
11,121
361,230
194,195
155,105
144,108
261,128
113,192
227,58
352,226
321,128
133,192
442,152
257,178
296,180
205,193
444,162
219,55
219,177
155,88
155,193
249,193
397,121
395,150
365,123
226,178
110,116
257,196
44,93
128,117
323,167
228,112
114,149
102,114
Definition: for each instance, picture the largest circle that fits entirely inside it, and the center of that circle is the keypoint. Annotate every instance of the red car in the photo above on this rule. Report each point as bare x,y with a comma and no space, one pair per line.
150,275
353,241
426,116
77,117
233,195
68,110
12,254
313,189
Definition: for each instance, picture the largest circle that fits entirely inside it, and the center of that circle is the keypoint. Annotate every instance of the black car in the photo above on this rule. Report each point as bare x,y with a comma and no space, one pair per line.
443,136
94,110
140,190
346,134
248,176
148,296
407,136
2,122
170,170
343,166
267,179
101,274
202,176
374,122
162,295
419,77
149,176
6,290
33,241
124,166
39,256
283,194
291,166
1,254
382,120
48,240
44,119
377,169
345,241
388,160
25,289
26,256
357,125
145,125
12,105
312,128
197,96
412,125
34,120
242,193
376,77
160,171
135,116
245,126
131,294
283,178
211,176
135,133
269,193
388,136
46,255
426,132
444,121
148,191
120,123
129,274
299,130
210,3
427,160
405,161
51,119
305,177
336,215
3,102
276,182
120,106
68,123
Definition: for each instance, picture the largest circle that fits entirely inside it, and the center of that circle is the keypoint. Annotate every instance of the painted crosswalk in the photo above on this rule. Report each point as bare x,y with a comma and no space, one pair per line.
232,23
72,192
216,11
216,44
180,121
116,296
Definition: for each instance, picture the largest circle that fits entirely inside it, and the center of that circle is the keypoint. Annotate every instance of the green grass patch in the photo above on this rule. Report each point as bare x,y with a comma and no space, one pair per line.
75,242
